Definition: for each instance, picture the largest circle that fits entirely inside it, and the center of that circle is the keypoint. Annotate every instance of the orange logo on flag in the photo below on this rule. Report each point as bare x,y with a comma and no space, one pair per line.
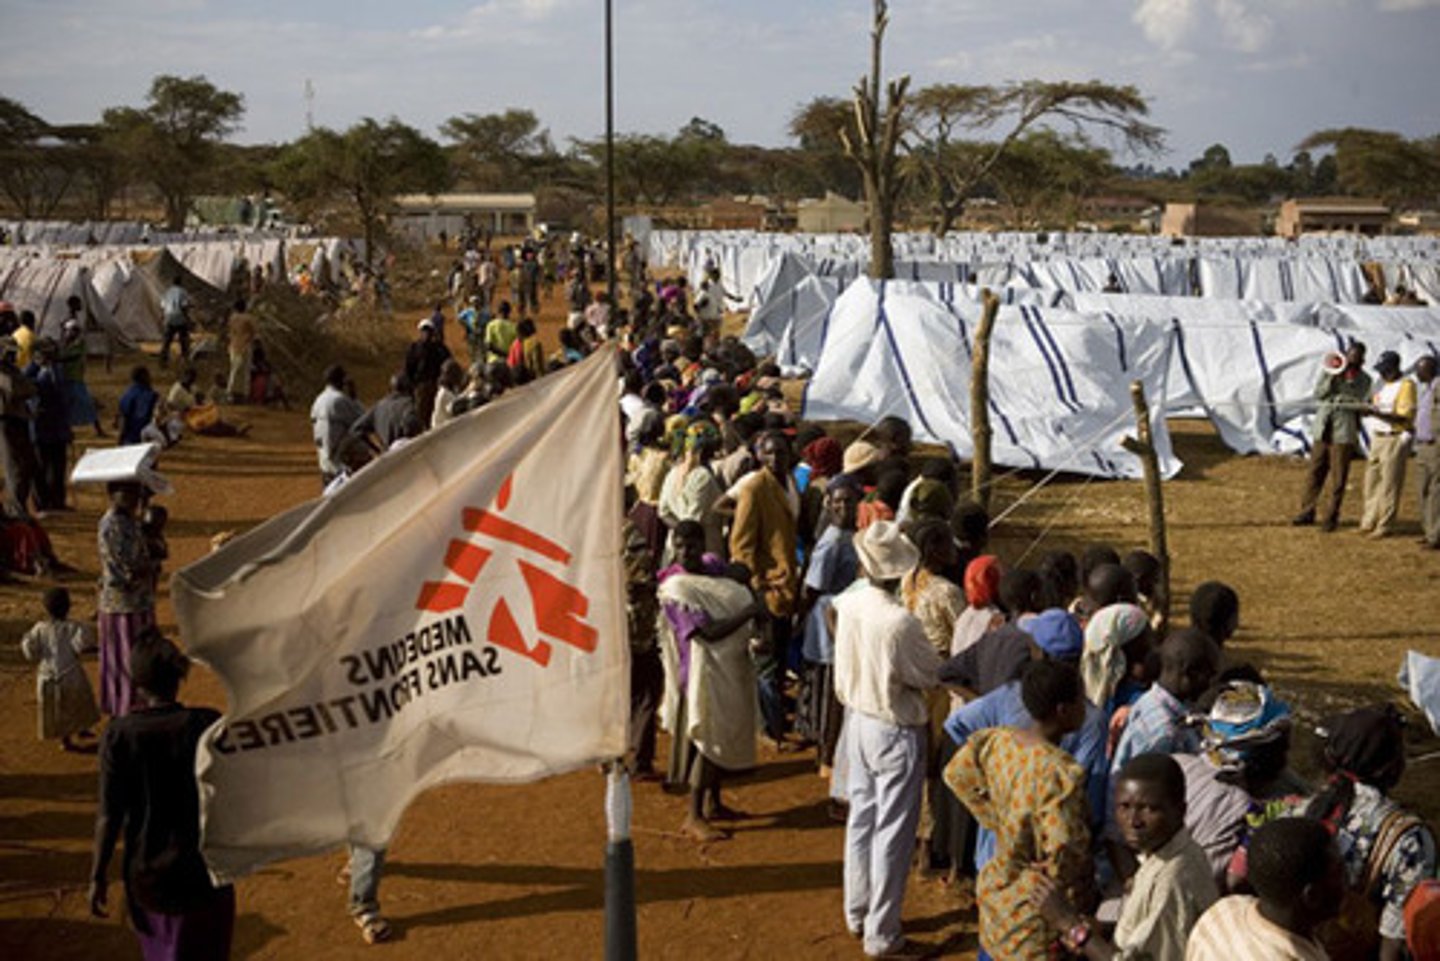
559,608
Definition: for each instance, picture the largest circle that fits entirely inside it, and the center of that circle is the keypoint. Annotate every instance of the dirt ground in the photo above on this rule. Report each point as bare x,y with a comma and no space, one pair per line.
517,872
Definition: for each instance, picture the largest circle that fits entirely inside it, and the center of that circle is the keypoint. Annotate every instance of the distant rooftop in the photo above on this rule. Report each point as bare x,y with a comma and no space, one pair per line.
460,203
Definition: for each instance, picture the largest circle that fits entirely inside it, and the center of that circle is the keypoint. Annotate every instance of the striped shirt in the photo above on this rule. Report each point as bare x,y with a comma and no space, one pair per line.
1155,726
1235,930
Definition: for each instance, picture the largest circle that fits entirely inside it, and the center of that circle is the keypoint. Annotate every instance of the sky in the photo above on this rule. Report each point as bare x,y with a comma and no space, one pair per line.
1255,75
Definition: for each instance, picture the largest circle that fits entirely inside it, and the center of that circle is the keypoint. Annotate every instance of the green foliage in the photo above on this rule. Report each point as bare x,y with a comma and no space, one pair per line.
1215,157
817,127
361,169
1044,171
498,151
950,175
172,141
42,166
1378,163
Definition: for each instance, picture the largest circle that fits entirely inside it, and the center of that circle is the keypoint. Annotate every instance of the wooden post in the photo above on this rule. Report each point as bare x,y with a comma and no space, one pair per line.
980,432
1144,448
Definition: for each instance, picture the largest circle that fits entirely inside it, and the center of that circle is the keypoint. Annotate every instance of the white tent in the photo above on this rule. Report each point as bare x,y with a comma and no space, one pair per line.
1058,375
1059,385
791,301
44,285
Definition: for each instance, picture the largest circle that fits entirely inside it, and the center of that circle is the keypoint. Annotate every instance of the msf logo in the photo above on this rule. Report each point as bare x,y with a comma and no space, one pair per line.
559,609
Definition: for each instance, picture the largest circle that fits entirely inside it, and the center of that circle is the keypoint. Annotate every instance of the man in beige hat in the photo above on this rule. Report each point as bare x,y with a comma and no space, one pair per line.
883,667
860,458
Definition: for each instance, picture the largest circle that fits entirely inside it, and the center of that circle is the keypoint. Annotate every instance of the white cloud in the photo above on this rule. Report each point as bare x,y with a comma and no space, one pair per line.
1244,30
1165,22
494,19
1170,23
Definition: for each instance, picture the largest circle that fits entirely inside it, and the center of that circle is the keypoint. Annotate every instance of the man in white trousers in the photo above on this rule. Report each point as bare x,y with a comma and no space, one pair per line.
883,666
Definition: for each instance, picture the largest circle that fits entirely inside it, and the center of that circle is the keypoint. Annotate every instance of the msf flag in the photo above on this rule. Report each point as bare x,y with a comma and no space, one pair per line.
454,612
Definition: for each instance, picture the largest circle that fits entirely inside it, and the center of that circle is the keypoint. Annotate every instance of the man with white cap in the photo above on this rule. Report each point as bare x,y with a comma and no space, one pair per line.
883,667
423,360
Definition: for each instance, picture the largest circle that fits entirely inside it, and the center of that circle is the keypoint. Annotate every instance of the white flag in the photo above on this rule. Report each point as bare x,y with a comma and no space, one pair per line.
454,612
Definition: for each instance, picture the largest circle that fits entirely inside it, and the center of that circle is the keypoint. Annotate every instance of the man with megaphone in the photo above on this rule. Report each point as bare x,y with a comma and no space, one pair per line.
1343,393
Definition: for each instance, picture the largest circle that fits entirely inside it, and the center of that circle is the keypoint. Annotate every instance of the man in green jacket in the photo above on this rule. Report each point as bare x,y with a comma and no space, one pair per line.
1343,395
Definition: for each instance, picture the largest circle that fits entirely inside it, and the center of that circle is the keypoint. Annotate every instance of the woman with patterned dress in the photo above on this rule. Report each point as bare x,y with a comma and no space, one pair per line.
126,605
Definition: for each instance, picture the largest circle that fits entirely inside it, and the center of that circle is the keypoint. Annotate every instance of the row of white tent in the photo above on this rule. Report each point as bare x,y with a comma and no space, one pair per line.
793,296
1060,375
68,233
121,285
1324,268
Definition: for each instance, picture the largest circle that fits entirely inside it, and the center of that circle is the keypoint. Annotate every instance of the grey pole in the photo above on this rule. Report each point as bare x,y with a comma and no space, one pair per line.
610,256
620,937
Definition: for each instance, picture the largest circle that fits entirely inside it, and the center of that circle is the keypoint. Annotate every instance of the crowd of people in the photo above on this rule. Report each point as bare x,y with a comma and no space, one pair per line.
1027,734
1040,739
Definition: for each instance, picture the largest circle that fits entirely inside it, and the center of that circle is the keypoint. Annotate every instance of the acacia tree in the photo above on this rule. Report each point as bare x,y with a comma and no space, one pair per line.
873,144
949,165
364,168
497,150
171,141
816,126
1043,170
1382,164
33,174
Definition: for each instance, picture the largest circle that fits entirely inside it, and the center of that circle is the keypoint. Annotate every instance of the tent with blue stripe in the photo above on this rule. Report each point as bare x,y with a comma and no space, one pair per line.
1060,394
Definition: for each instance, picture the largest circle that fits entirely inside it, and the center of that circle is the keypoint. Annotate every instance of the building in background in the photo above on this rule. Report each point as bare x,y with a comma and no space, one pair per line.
425,216
832,214
1324,215
1209,220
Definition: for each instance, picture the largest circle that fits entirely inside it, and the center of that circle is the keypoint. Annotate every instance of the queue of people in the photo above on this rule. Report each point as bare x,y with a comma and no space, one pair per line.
1022,733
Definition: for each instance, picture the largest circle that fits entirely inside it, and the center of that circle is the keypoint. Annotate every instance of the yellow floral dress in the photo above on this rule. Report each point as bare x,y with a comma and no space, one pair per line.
1032,795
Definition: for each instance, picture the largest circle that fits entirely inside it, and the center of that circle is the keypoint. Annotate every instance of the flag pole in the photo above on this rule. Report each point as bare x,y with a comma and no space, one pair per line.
620,937
610,259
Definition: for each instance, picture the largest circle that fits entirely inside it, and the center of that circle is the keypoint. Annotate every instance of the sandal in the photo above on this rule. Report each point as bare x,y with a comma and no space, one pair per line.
373,928
702,831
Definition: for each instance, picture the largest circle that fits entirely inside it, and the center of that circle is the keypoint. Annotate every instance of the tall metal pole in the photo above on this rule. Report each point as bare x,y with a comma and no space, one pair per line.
621,941
610,260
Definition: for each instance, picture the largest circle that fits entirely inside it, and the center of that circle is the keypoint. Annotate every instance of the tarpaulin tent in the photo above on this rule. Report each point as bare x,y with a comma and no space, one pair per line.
44,285
1059,385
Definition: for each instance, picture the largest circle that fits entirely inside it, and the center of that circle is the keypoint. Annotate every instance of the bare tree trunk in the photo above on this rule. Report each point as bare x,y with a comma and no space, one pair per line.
980,432
1144,448
874,150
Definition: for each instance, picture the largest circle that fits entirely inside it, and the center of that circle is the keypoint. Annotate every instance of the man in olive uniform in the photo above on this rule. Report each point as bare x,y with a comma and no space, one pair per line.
1343,395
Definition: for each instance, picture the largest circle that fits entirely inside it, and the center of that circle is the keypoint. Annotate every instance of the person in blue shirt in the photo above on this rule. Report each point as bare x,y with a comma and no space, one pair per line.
1057,636
50,428
137,406
833,567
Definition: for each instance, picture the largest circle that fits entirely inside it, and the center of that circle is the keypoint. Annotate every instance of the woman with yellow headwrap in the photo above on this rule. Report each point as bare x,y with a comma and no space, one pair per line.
691,488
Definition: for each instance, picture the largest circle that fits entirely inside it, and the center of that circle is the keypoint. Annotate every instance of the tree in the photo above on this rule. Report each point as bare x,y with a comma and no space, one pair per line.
35,171
1045,171
364,167
1302,173
1215,157
171,142
873,144
496,151
950,173
816,126
701,129
1378,163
